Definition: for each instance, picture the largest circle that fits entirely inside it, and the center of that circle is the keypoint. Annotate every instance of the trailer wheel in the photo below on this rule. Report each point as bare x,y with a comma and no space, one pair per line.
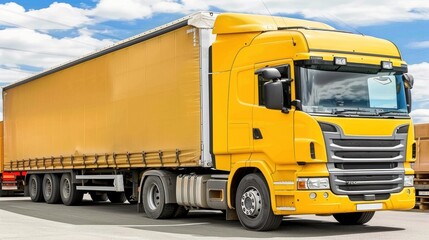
116,197
69,194
35,188
154,199
254,206
51,188
357,218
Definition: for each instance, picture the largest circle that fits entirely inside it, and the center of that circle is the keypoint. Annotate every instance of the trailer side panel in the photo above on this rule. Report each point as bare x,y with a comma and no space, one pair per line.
137,106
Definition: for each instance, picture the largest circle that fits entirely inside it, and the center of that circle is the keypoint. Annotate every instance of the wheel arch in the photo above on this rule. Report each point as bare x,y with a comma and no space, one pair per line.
168,180
238,173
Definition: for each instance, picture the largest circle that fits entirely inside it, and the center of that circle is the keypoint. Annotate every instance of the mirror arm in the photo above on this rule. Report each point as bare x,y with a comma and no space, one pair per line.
297,104
285,110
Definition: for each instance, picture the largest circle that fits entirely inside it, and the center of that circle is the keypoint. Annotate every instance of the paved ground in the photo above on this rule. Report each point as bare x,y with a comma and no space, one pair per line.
22,219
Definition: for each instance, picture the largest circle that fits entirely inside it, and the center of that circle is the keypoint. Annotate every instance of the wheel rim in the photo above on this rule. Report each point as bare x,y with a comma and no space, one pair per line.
48,188
251,202
33,187
66,188
153,197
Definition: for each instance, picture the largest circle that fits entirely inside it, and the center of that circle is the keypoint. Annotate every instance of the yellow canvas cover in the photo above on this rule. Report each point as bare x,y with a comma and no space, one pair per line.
138,106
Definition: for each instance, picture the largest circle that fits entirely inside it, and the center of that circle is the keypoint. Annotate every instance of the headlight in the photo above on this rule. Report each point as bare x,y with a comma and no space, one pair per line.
409,181
313,183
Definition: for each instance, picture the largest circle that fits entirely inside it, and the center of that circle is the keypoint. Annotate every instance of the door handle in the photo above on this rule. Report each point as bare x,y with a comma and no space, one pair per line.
257,134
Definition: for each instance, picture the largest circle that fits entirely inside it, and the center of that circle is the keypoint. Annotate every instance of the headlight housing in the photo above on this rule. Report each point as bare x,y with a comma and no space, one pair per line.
409,180
313,183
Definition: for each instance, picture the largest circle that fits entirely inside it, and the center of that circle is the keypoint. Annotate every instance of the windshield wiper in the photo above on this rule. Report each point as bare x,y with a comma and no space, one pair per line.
356,111
393,112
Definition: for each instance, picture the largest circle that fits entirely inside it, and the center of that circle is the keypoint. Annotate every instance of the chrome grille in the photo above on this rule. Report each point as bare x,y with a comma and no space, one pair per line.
361,165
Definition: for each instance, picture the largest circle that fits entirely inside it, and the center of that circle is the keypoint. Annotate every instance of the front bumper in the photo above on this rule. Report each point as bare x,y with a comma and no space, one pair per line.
299,202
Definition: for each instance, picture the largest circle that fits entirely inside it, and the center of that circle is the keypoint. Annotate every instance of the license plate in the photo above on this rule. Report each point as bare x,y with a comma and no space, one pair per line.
424,193
9,188
371,206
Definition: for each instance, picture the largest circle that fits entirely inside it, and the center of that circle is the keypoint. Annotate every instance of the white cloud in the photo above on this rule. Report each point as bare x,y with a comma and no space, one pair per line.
420,91
354,12
57,16
122,10
424,44
421,81
42,50
12,74
420,115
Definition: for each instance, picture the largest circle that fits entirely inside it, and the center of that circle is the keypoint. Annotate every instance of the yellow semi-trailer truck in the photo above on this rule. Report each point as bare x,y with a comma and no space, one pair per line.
258,116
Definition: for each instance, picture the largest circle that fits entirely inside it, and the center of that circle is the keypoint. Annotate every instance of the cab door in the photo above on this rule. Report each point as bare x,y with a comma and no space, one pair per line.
273,129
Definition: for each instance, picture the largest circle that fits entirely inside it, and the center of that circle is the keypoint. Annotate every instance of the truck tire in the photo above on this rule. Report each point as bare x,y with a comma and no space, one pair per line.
357,218
35,188
98,197
69,194
154,199
116,197
51,188
253,204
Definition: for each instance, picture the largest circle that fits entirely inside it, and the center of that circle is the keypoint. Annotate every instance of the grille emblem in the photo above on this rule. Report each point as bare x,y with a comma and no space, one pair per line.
351,182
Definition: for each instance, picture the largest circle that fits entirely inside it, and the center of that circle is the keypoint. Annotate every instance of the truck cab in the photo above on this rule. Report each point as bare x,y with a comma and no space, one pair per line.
320,115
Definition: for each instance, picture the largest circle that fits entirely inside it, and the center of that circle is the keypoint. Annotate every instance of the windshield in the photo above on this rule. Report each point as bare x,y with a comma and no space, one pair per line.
331,92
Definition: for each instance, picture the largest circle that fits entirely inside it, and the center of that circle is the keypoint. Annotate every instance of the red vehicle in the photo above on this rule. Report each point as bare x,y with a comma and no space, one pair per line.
10,182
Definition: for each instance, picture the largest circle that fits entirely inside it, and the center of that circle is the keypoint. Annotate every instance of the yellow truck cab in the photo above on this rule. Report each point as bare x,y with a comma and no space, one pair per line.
327,128
258,116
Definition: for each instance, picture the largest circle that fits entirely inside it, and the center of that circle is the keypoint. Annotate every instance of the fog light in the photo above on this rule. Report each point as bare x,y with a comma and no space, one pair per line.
313,195
326,195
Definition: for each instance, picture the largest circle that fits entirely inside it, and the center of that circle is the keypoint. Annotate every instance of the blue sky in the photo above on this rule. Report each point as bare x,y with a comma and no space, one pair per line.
40,34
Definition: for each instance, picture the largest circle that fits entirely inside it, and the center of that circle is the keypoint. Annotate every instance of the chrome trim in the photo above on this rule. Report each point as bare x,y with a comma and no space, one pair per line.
369,179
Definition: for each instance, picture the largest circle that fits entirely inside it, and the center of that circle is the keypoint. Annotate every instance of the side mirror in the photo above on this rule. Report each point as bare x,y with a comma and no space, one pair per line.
273,91
408,80
408,84
269,73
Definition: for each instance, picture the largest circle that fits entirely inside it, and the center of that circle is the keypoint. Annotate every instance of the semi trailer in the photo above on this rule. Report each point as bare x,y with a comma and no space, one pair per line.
257,116
421,166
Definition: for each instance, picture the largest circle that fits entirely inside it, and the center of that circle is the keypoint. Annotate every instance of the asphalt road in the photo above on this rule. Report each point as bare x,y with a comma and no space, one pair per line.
22,219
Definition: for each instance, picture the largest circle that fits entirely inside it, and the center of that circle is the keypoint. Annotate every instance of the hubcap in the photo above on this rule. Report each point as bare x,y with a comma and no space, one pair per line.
251,202
153,197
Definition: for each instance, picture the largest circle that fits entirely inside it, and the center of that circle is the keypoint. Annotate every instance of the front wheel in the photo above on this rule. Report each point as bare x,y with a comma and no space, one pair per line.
253,204
357,218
